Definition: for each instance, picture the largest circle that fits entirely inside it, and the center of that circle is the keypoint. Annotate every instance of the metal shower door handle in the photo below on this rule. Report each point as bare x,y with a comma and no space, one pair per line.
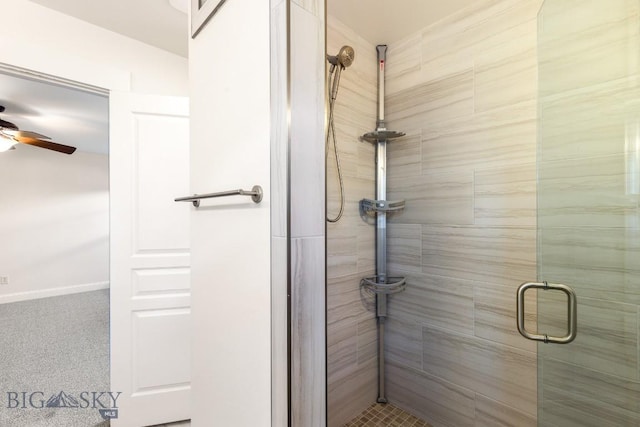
572,314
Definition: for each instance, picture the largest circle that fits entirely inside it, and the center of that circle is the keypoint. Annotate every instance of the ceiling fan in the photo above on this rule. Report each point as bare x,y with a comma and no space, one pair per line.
10,135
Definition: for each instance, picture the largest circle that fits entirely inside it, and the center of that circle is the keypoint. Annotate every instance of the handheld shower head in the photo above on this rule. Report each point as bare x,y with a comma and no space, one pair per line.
346,55
344,58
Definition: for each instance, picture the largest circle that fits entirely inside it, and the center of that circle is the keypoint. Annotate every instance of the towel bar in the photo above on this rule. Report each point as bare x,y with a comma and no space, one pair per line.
255,193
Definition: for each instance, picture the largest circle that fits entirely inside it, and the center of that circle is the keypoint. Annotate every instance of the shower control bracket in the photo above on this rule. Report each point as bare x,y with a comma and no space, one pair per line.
371,207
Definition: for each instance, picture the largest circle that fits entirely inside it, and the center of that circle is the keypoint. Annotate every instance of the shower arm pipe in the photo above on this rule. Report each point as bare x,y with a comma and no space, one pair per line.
382,58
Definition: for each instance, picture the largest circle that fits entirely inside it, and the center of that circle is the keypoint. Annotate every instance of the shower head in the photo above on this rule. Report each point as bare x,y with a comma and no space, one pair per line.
346,55
344,58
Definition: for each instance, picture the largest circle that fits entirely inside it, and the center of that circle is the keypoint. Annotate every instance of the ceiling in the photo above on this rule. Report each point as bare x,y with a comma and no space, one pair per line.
387,21
80,119
154,22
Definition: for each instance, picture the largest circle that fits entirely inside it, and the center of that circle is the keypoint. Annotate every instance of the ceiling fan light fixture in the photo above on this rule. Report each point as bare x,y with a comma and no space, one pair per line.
6,143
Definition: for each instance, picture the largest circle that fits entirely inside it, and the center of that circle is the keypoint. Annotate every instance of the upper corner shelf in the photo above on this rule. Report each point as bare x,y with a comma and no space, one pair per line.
381,135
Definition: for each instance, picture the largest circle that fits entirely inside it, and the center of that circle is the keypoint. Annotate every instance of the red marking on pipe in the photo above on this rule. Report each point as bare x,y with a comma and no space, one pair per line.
381,64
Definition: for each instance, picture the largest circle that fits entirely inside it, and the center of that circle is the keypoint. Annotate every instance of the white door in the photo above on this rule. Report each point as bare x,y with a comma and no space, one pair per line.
150,259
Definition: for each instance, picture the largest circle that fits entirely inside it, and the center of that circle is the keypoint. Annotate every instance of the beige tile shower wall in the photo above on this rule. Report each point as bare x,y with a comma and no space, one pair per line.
465,92
351,328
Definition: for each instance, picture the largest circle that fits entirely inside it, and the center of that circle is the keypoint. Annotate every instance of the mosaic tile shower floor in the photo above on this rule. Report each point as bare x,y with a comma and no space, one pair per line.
386,415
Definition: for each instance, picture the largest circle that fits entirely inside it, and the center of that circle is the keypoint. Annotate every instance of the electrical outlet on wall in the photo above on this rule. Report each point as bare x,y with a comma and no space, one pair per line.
4,280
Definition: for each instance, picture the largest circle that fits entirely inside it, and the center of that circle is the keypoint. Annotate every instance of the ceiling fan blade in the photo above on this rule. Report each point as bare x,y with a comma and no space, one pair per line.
49,145
22,134
7,125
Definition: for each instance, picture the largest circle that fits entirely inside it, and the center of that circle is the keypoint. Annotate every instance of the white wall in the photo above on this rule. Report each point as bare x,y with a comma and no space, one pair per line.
230,237
54,222
38,38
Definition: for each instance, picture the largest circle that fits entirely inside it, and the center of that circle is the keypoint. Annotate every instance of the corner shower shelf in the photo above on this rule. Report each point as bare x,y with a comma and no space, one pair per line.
381,135
371,207
391,286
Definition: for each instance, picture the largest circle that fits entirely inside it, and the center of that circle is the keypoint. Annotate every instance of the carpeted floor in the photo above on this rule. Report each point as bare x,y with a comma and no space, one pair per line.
53,345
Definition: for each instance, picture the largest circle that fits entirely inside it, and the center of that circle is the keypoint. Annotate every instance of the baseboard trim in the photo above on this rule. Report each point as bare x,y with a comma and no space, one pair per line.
54,292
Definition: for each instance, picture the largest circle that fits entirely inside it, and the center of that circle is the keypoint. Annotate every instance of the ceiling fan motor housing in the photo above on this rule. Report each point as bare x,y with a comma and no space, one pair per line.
4,124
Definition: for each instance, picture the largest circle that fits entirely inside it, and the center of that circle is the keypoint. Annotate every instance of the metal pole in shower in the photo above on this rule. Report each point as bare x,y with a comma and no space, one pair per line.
381,223
381,284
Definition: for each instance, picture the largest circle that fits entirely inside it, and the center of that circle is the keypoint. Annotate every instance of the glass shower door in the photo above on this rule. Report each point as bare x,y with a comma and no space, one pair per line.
588,211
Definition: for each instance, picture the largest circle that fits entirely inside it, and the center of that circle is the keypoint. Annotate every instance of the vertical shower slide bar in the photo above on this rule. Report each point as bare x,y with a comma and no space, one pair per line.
381,285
